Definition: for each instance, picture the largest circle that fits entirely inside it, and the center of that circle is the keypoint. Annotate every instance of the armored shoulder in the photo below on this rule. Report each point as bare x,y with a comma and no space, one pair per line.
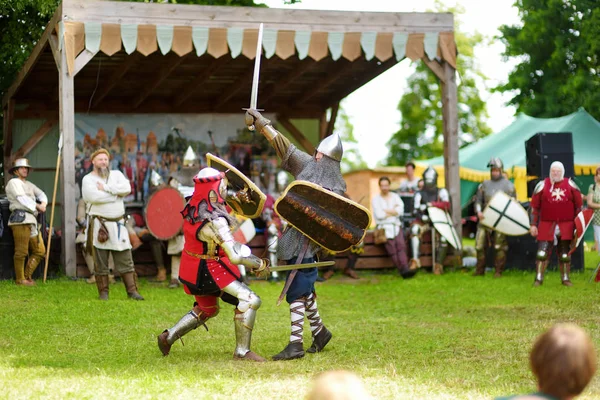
539,187
574,185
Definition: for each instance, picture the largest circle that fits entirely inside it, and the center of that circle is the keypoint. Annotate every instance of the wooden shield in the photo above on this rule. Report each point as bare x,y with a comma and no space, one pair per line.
506,215
332,221
236,182
163,213
443,224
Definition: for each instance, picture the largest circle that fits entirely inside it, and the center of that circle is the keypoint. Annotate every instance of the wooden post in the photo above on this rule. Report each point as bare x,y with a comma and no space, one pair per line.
323,125
9,112
451,162
332,119
67,130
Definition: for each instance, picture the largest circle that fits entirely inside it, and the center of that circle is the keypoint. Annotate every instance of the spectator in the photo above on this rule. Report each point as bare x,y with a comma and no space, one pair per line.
23,197
338,385
563,360
593,202
388,208
411,183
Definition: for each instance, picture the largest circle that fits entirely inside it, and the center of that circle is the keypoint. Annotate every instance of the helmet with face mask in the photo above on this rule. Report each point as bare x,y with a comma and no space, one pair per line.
210,185
430,178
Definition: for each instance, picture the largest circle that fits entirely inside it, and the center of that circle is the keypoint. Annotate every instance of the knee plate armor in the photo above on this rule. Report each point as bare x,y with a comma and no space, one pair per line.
248,299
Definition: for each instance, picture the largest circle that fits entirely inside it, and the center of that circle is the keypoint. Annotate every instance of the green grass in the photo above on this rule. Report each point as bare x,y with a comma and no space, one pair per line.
448,337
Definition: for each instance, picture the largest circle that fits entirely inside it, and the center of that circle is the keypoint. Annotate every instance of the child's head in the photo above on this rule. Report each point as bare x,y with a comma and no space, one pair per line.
337,385
563,360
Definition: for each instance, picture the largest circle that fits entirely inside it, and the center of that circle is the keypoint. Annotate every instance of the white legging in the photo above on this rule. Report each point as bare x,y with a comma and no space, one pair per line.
597,236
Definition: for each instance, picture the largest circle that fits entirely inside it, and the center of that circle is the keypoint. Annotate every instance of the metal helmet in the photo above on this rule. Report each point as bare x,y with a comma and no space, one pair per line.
430,177
20,162
496,162
207,182
332,147
282,179
189,158
155,179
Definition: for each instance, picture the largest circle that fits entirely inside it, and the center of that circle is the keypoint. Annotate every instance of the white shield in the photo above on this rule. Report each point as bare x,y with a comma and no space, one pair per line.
506,215
443,224
245,231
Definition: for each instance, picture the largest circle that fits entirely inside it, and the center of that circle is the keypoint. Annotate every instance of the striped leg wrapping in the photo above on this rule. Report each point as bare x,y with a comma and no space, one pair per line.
312,313
297,310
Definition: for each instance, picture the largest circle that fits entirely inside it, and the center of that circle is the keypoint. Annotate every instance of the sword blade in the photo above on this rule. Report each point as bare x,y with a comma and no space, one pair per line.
302,266
254,93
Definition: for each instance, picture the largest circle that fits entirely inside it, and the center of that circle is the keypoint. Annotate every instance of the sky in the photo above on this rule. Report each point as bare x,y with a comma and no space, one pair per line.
383,116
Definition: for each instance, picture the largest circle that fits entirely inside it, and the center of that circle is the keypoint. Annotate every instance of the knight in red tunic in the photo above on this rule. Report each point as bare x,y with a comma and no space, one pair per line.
555,203
209,267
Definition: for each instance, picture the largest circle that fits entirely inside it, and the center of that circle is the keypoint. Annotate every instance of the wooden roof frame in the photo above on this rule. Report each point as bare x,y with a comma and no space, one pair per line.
87,11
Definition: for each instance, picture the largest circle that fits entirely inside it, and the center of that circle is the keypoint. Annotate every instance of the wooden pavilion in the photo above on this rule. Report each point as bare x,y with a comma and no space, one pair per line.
122,58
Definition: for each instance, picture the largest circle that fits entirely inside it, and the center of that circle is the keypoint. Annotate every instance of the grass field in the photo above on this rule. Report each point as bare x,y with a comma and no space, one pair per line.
448,337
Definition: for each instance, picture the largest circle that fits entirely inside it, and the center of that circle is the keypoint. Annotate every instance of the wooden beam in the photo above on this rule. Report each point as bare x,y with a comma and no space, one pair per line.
436,67
296,133
8,111
160,77
35,138
451,160
196,85
332,119
364,78
333,76
32,60
234,88
82,60
282,83
53,42
323,125
115,77
250,17
68,185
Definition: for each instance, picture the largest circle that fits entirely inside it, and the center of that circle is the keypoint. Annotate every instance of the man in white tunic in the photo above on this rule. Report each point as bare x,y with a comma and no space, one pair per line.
23,197
103,190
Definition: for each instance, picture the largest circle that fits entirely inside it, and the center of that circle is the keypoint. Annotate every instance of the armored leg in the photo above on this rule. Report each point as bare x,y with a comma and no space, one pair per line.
415,243
480,242
441,253
244,318
564,259
501,247
193,319
541,262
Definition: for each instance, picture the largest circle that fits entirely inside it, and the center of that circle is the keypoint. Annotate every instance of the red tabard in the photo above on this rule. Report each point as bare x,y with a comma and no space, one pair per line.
219,270
557,205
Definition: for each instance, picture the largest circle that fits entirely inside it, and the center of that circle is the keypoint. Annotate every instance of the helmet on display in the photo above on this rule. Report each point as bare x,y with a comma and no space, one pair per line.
189,158
430,177
332,147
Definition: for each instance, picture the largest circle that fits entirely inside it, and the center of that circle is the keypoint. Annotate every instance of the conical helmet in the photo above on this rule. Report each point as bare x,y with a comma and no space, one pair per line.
331,146
189,158
430,177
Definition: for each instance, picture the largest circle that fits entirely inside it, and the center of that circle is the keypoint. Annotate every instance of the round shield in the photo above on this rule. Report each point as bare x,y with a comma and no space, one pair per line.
163,213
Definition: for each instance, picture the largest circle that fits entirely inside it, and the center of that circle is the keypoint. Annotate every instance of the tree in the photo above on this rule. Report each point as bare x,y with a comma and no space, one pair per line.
352,159
558,45
421,128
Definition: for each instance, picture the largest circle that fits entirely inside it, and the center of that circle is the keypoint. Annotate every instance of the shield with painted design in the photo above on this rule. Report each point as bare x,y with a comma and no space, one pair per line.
505,215
244,231
443,224
243,196
163,213
582,222
332,221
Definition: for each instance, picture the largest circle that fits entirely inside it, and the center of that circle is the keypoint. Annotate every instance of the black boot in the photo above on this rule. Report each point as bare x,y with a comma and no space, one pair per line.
291,352
320,341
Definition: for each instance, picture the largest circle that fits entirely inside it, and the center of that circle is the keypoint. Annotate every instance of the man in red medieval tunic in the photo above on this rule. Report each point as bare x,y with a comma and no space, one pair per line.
555,203
209,268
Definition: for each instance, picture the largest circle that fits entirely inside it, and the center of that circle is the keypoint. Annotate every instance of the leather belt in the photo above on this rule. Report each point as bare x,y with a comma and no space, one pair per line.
202,256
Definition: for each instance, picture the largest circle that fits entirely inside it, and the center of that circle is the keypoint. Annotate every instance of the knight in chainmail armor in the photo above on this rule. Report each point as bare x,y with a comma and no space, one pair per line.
322,169
430,195
486,236
209,267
